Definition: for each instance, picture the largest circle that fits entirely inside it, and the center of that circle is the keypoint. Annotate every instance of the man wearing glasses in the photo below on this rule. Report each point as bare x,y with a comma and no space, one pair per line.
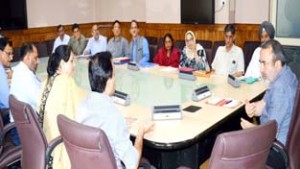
5,72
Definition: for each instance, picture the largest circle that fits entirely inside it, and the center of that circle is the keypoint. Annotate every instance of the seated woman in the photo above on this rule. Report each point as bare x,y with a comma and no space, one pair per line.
60,96
98,110
193,55
167,55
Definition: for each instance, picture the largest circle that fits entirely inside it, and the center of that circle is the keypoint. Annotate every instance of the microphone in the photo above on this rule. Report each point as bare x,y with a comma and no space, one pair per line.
200,52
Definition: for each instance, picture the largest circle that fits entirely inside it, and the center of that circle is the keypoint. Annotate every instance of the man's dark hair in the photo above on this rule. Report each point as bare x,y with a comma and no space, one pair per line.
136,22
58,27
116,21
62,52
74,26
4,42
100,70
230,28
277,50
25,49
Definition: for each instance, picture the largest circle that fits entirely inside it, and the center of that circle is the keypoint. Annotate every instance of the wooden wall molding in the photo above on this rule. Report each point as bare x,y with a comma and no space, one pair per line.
244,32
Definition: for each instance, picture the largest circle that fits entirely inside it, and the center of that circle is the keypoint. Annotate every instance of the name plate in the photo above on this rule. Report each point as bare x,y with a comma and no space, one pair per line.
133,66
201,93
187,75
170,112
233,81
121,98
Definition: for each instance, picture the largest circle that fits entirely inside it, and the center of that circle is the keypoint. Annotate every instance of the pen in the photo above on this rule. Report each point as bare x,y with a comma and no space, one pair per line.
222,102
228,101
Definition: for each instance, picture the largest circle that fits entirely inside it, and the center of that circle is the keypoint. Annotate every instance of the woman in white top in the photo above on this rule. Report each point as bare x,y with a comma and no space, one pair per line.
266,32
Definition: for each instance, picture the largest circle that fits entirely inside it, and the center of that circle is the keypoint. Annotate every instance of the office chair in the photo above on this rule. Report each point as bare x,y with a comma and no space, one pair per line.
215,47
248,49
292,148
9,153
35,149
206,44
244,149
87,147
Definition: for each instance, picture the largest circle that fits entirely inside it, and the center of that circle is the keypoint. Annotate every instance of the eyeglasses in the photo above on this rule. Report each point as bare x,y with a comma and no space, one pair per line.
189,40
8,53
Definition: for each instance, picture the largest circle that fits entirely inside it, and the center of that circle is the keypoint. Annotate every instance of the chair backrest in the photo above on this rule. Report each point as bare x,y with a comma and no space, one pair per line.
17,54
217,44
87,147
153,50
49,44
152,40
30,133
248,49
206,44
42,49
293,147
248,148
179,44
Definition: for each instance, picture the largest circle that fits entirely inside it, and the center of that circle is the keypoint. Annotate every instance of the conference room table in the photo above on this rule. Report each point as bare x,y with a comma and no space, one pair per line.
171,143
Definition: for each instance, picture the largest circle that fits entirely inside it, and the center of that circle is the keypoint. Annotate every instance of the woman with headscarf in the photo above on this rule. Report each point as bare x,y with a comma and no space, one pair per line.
60,96
266,32
193,54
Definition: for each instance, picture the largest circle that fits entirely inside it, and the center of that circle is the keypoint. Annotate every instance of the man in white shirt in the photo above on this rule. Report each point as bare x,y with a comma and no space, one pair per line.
97,43
62,39
98,110
25,85
266,32
229,59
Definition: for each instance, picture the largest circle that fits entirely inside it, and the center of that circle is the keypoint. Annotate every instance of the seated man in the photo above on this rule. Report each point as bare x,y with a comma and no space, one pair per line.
62,39
98,110
229,59
6,56
278,101
77,41
97,43
139,48
24,77
266,32
118,45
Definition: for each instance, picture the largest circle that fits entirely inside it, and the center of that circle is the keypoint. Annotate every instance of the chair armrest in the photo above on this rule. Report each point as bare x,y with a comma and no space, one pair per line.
53,144
280,148
7,128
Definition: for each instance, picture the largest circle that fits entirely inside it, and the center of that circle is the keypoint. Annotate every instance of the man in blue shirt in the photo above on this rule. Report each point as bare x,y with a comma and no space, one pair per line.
139,48
278,101
6,56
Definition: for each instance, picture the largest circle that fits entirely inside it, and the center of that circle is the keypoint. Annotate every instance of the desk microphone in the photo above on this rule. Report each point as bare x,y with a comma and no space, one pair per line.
201,93
121,98
200,53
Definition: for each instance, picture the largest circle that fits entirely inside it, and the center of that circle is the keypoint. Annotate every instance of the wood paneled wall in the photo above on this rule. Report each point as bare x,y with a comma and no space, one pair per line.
244,32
